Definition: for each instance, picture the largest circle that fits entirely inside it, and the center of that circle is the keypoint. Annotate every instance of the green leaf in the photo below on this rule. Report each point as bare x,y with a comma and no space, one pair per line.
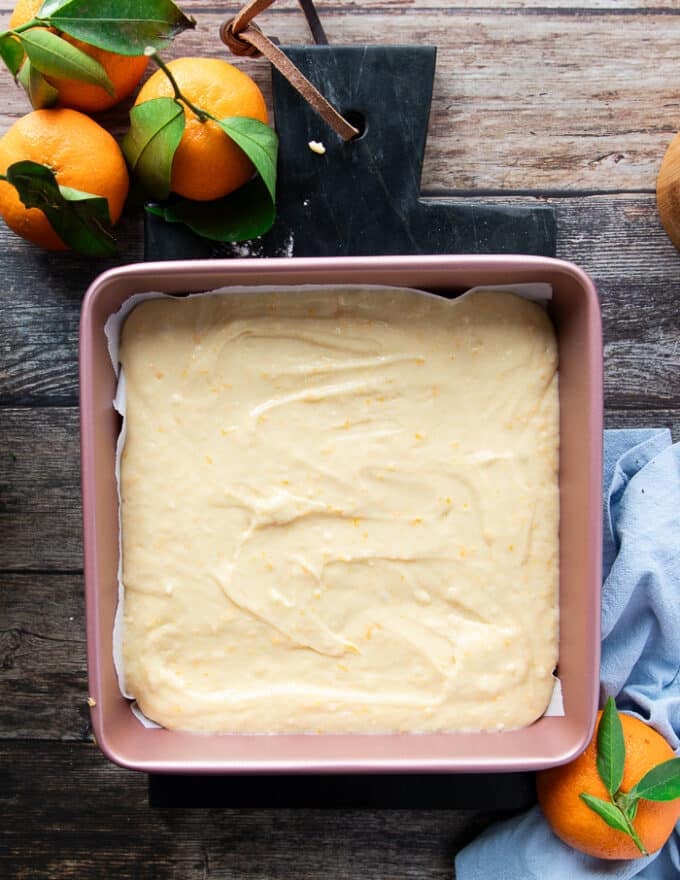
260,144
53,56
123,26
661,783
156,128
611,749
244,214
80,219
40,93
12,53
613,816
51,6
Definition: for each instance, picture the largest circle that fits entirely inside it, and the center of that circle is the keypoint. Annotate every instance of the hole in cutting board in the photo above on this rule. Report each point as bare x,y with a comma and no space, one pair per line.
358,120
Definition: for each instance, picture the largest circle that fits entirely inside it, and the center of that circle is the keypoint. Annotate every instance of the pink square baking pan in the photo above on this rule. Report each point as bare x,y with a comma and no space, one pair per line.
547,742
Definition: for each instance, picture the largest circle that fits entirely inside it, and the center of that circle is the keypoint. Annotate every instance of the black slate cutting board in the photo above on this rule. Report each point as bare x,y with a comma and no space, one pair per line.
359,198
363,197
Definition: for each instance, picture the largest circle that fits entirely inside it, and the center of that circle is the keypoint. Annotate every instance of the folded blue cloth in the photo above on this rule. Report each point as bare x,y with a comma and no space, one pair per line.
640,655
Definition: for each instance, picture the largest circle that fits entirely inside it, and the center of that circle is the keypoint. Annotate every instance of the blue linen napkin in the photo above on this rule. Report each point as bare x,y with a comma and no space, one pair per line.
640,655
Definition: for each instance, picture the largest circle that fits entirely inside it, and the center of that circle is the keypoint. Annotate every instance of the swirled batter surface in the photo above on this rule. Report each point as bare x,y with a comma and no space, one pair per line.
340,511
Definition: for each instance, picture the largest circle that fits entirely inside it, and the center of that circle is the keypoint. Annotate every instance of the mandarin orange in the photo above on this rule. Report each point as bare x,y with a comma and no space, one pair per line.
577,825
81,154
124,71
208,164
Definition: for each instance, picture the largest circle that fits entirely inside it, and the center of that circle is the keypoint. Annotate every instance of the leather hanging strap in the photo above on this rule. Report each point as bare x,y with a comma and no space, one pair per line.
243,37
314,22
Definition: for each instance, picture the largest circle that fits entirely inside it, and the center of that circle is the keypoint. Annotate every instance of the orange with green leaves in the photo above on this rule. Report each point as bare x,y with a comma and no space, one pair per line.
621,798
195,136
123,72
62,143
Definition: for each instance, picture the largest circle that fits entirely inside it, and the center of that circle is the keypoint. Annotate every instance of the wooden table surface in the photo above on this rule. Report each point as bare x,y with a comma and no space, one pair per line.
569,103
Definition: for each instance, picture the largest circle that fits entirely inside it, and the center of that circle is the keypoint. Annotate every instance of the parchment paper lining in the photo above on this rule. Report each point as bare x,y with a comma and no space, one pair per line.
536,291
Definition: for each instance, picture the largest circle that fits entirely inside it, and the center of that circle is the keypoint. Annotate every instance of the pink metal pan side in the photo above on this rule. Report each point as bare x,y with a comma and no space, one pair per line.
547,742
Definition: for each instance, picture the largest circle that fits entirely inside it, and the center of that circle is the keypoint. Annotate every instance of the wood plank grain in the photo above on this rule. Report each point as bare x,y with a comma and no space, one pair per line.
510,7
40,518
96,822
524,97
42,296
653,418
43,671
345,7
617,239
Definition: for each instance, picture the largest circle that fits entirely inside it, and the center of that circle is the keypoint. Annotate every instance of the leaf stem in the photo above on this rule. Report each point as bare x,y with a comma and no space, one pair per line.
626,802
19,29
202,115
633,833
